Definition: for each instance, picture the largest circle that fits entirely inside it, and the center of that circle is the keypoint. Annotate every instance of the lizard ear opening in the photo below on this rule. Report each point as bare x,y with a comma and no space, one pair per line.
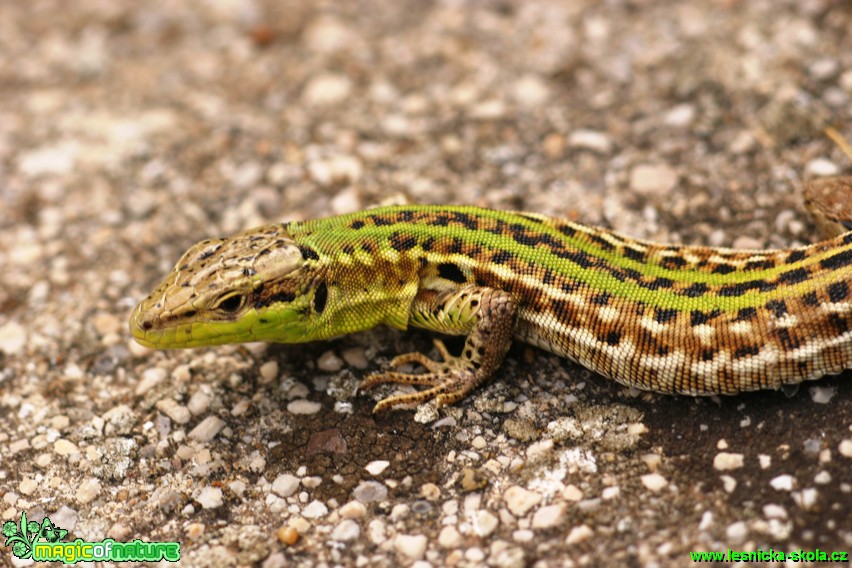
452,272
320,297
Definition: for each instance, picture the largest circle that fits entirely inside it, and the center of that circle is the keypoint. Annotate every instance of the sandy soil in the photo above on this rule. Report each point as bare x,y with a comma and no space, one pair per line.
130,130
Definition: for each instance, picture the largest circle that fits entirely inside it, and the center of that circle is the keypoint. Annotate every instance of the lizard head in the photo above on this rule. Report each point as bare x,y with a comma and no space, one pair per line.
254,286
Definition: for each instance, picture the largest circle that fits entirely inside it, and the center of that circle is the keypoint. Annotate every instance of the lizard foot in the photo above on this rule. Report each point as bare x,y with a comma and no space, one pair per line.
450,380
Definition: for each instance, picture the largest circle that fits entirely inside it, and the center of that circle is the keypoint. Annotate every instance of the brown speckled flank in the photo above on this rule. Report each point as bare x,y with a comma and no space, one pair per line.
668,318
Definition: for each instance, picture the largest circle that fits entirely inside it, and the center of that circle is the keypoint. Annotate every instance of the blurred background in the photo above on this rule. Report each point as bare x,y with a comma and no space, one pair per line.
130,130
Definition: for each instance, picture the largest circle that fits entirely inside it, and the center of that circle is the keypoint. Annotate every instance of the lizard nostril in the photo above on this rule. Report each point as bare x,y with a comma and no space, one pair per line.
146,325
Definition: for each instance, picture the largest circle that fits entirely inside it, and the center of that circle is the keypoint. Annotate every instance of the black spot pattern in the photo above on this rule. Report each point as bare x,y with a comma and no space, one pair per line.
838,291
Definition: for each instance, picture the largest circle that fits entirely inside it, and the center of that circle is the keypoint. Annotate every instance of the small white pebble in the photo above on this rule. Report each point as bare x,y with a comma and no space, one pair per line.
540,450
822,477
207,429
824,68
182,373
193,530
138,350
479,443
472,502
654,481
590,140
530,91
28,486
106,323
488,109
177,412
743,142
782,482
773,511
681,115
353,510
572,493
302,406
550,516
88,490
297,390
806,498
653,179
356,357
520,501
410,546
821,395
845,448
241,407
430,491
377,531
73,372
425,418
725,461
636,429
315,510
65,448
299,524
845,80
327,89
746,242
579,534
819,167
610,492
399,512
764,460
13,338
449,537
652,461
346,531
198,403
210,497
376,467
369,491
329,362
269,371
737,532
728,483
285,485
485,523
150,378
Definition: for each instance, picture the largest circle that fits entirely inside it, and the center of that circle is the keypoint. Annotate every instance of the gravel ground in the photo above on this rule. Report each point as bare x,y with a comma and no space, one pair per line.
129,130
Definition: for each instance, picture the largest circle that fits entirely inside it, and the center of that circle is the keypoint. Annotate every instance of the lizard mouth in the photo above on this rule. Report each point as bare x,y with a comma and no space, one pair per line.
142,327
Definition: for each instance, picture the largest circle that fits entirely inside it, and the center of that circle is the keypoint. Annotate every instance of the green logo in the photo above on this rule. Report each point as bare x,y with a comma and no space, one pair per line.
42,542
23,538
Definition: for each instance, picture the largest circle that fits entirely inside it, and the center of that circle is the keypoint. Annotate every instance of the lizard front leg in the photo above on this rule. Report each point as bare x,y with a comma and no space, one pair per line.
486,315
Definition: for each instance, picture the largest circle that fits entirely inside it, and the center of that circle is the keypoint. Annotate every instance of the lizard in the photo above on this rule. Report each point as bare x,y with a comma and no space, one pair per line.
668,318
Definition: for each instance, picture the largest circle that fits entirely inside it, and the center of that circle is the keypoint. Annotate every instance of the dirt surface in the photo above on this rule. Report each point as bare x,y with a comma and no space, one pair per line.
130,130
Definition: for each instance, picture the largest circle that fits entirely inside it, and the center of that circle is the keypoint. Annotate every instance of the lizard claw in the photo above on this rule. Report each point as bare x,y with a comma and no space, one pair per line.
424,361
449,380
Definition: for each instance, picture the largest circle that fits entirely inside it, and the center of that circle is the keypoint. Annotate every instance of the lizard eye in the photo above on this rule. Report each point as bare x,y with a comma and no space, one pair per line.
230,304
